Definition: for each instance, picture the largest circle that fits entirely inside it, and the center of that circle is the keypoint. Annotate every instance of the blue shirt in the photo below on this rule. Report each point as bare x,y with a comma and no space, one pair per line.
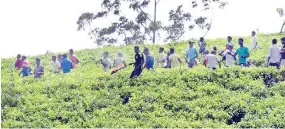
149,61
66,65
26,71
191,52
242,51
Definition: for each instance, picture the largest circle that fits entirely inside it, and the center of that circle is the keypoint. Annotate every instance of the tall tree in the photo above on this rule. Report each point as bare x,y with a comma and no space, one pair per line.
281,13
143,27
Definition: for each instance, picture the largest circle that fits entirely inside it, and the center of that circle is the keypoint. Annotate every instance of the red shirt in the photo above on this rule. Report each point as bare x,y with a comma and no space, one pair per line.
18,63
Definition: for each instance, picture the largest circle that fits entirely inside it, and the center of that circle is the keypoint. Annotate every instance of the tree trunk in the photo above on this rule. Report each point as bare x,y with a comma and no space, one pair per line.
282,28
154,24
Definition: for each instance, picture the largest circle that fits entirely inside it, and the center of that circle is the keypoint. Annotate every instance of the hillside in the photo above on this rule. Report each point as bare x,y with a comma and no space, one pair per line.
88,98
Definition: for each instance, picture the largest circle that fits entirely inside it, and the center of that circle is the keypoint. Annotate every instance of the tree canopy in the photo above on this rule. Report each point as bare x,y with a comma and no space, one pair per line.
144,26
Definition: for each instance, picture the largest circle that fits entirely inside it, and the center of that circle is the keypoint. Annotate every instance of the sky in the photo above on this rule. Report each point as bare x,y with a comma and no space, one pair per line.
31,27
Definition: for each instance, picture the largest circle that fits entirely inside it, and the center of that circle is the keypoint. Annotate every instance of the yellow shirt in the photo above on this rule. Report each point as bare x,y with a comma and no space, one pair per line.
174,62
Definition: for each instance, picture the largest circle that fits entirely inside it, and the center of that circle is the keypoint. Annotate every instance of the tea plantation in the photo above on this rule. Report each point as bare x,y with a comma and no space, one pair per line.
234,97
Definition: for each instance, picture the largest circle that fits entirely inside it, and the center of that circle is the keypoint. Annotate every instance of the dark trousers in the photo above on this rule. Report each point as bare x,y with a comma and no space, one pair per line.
136,72
274,65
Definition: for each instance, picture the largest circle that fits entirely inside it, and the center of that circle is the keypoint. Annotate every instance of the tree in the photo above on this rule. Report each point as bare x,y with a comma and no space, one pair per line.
144,27
281,13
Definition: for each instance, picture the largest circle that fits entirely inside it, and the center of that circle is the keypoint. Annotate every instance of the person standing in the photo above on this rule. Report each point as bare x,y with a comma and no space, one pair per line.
18,64
119,60
65,64
138,64
55,65
106,62
229,55
202,45
191,55
161,60
230,41
282,52
149,59
174,59
205,61
73,58
254,41
213,60
38,70
26,63
274,54
243,53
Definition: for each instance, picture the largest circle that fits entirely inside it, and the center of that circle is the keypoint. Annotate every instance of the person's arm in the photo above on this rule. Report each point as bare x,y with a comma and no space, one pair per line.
196,52
143,61
218,62
247,54
16,63
269,53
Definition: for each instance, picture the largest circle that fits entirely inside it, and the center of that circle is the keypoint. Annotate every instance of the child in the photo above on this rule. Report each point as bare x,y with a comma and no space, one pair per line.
106,62
73,58
18,63
205,62
39,70
149,59
55,65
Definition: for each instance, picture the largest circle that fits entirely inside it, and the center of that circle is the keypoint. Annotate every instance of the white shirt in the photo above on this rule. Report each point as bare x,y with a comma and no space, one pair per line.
230,60
55,66
161,57
106,61
254,42
174,62
212,60
274,54
118,61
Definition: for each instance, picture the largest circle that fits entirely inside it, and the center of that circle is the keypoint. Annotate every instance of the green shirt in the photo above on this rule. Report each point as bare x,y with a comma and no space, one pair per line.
242,51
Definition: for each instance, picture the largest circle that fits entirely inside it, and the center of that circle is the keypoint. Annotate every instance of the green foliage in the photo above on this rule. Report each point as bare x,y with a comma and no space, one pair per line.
174,98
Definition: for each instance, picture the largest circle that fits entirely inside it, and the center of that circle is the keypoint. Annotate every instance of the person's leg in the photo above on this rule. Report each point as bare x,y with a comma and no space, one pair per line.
133,73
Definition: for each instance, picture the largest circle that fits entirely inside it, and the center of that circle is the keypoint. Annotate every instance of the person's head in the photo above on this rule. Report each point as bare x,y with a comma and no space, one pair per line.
120,54
161,49
146,51
70,51
274,41
206,52
230,38
191,44
137,49
59,56
24,58
105,54
213,52
253,33
240,41
38,61
64,56
19,56
171,50
215,48
283,40
201,39
53,58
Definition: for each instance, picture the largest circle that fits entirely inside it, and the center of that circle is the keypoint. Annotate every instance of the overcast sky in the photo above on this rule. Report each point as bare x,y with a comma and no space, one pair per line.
34,26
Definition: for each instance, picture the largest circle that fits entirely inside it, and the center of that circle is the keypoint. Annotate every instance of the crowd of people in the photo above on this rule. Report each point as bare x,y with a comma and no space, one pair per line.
276,58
